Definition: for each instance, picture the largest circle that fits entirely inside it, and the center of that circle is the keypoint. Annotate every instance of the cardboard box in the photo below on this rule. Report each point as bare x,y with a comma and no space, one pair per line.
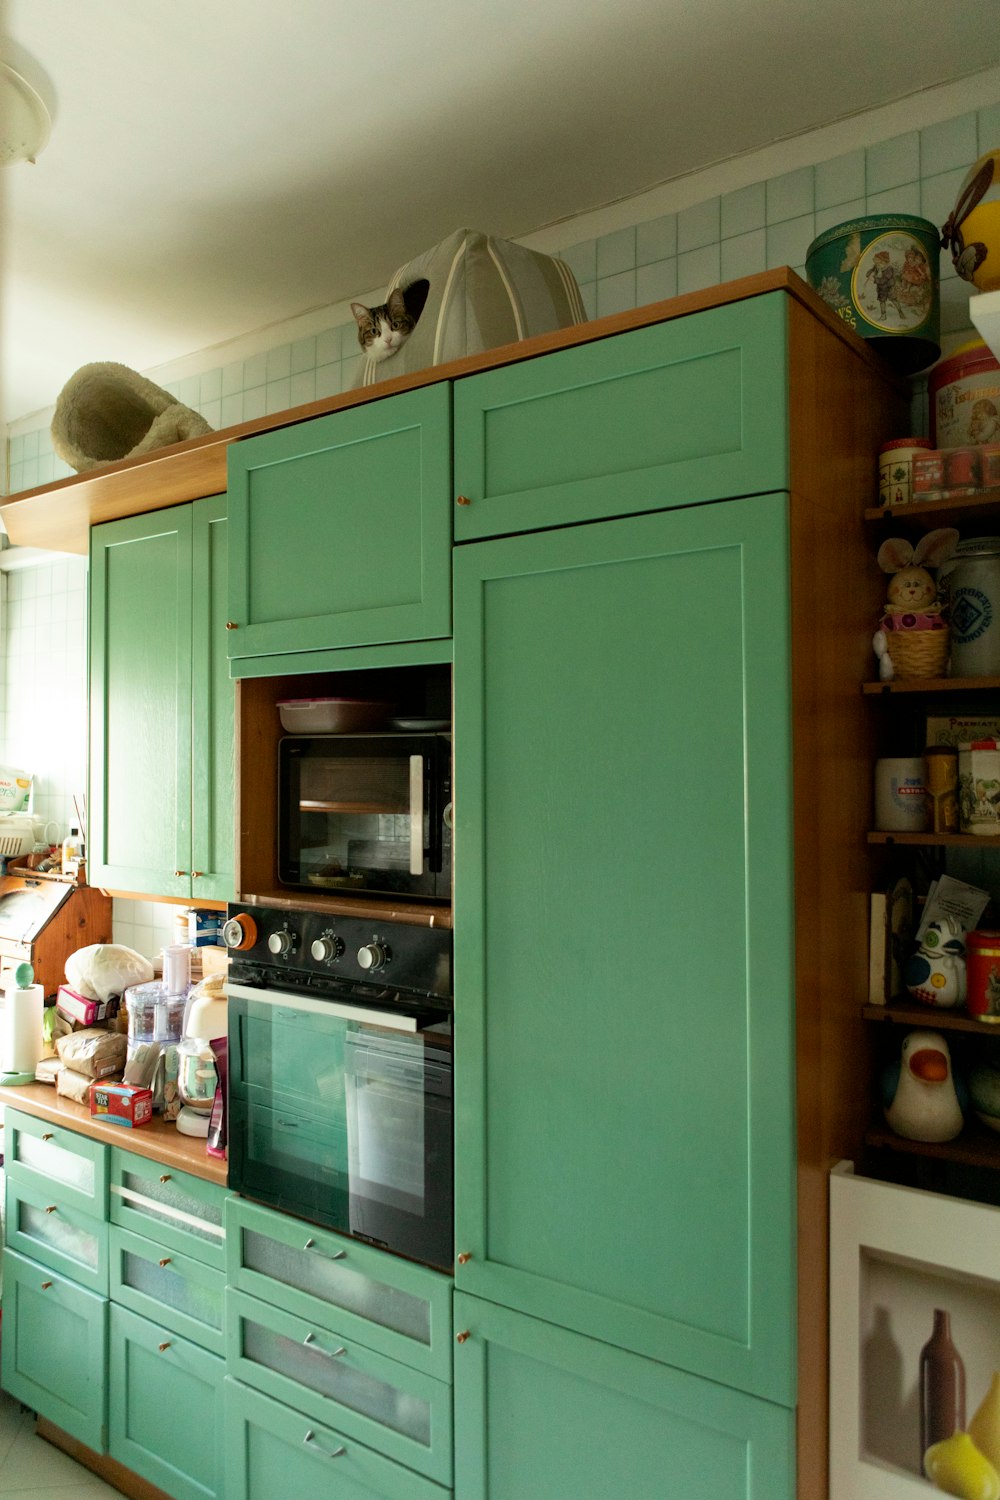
953,729
76,1007
121,1103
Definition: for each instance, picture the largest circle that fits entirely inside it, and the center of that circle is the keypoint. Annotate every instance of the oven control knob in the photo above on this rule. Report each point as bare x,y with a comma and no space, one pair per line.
373,956
240,932
280,943
325,949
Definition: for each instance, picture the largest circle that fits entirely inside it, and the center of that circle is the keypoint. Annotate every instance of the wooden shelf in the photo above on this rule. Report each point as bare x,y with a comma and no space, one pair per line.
983,506
933,685
975,1147
939,840
907,1013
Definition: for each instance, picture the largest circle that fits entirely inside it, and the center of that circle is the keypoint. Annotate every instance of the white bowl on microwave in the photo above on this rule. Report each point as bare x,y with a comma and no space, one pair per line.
332,715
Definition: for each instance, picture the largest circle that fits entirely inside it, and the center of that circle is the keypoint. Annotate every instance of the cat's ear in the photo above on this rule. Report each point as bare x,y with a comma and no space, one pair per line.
396,301
361,313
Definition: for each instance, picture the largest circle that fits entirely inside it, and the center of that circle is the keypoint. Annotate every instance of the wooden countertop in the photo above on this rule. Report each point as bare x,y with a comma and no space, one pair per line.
158,1140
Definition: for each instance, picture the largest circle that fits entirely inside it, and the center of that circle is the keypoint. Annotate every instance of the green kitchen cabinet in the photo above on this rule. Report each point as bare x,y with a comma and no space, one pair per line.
685,411
161,705
340,529
543,1412
624,1048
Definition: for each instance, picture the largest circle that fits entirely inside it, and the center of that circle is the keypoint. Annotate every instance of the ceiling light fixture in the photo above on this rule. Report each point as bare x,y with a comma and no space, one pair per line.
24,121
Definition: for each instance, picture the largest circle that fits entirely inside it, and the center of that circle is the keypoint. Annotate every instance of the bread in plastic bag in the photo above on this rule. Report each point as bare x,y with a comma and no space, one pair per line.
105,969
95,1052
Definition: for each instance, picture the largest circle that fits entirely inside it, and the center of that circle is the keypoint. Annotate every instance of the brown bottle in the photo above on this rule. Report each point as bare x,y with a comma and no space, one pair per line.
942,1386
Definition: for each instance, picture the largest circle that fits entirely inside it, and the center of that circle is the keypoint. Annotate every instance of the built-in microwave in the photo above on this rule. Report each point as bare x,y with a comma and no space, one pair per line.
366,813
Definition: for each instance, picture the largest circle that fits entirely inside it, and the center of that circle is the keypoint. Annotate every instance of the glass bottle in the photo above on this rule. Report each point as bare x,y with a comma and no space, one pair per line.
942,1386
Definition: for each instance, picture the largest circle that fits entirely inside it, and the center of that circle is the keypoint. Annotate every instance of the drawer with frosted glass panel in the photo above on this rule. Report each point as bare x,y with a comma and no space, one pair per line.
169,1286
41,1155
390,1305
40,1223
167,1206
386,1405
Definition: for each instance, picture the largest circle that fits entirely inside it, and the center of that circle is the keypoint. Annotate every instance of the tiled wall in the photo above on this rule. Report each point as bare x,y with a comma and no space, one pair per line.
754,228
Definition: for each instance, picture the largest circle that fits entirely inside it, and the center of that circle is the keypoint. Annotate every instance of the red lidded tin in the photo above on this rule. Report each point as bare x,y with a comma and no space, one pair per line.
982,973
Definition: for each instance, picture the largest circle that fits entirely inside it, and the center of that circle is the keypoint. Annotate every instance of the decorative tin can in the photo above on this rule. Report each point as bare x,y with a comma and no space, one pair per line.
961,471
928,475
989,466
880,274
982,975
979,787
941,778
972,581
895,469
964,392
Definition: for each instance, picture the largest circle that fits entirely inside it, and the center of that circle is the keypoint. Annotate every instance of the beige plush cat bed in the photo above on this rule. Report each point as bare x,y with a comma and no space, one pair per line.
106,412
483,292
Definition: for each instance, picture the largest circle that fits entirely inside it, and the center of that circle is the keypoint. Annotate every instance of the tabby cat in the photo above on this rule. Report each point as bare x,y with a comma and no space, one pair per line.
383,330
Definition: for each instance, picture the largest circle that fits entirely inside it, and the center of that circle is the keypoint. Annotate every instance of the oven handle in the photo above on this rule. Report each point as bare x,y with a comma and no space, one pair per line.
416,814
389,1019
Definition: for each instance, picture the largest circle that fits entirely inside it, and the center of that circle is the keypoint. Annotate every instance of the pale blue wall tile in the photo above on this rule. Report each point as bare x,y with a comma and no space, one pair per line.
232,409
950,144
656,240
303,355
698,226
616,253
743,210
29,474
212,412
302,388
840,213
351,369
62,470
16,481
277,395
189,390
328,346
588,295
209,387
788,242
955,295
30,446
615,293
254,402
889,164
988,130
699,268
939,194
46,463
790,196
744,255
254,371
898,200
279,363
232,378
582,260
840,179
656,281
329,380
17,448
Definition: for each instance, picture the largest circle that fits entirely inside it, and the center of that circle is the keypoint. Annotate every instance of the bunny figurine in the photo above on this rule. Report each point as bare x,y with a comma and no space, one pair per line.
913,632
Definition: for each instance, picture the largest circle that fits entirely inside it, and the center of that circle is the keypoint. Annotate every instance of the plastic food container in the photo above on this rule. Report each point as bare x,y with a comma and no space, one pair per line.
332,715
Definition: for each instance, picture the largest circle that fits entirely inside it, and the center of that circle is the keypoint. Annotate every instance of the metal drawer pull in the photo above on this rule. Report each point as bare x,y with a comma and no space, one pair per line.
51,1208
310,1341
46,1285
460,1338
310,1244
161,1347
464,1258
166,1177
47,1136
165,1261
310,1437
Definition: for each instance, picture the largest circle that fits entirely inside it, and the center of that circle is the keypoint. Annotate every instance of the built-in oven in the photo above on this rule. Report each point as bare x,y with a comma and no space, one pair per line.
340,1074
366,813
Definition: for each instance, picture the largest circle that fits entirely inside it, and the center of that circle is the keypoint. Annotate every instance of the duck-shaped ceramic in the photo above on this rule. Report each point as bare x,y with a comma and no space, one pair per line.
919,1097
936,972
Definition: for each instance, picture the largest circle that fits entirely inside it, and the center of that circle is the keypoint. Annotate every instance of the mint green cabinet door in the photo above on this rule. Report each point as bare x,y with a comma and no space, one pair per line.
53,1354
165,1408
213,812
676,414
543,1412
140,703
624,1080
340,529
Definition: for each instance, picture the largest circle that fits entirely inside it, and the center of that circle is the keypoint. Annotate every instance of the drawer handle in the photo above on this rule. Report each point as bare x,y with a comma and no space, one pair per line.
178,873
167,1175
231,625
464,1258
310,1342
310,1244
462,500
165,1261
310,1437
47,1136
46,1285
51,1208
460,1338
162,1347
197,874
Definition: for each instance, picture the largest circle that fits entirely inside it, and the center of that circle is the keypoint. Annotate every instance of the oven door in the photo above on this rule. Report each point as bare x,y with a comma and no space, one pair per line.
343,1116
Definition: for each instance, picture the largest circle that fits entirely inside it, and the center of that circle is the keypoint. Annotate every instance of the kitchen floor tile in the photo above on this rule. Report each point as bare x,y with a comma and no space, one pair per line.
35,1467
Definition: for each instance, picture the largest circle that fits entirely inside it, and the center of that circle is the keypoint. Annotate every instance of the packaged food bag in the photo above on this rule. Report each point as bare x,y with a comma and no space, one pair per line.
15,789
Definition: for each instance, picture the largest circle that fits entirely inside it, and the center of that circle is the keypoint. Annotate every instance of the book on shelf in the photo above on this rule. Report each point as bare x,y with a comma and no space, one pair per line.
890,939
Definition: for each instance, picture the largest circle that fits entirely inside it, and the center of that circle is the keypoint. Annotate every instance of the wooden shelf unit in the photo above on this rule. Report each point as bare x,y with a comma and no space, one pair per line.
904,1012
937,840
927,515
975,1147
933,685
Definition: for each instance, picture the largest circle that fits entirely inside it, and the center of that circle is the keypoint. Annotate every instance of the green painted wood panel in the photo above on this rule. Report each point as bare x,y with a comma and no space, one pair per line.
624,1046
42,1226
171,1208
340,529
53,1354
140,703
346,659
50,1158
171,1288
213,811
543,1412
273,1451
165,1416
676,414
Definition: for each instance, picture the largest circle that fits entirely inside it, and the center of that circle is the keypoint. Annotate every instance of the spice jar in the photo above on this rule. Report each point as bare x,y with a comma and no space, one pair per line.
961,471
928,475
973,585
895,469
941,780
982,971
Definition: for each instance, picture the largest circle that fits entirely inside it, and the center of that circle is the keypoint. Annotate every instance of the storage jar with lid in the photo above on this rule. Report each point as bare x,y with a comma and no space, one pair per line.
982,969
964,392
895,469
972,580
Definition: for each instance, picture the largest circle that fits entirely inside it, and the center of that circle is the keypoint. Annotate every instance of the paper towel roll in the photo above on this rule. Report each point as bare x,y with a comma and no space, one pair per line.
21,1031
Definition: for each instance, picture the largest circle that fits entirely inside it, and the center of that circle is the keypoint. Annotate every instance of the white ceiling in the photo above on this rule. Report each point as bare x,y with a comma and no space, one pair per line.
219,165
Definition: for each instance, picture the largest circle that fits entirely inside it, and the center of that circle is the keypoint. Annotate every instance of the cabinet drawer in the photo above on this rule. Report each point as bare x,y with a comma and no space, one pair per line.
53,1159
340,529
169,1207
161,1283
54,1348
675,414
387,1406
66,1238
271,1451
165,1408
390,1305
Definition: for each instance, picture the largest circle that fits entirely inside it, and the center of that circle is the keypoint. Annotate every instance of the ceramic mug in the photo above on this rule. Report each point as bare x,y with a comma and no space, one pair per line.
901,801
